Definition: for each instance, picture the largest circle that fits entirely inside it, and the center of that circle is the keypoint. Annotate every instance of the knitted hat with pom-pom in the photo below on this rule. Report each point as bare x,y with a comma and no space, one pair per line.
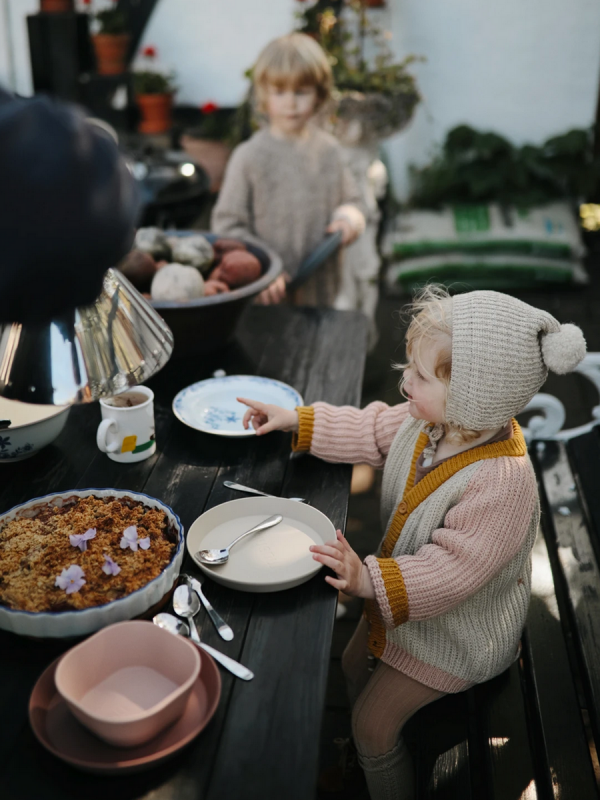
502,350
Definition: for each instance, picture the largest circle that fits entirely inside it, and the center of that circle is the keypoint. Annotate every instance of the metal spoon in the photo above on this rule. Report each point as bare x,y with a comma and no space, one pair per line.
216,557
186,604
239,487
223,629
176,626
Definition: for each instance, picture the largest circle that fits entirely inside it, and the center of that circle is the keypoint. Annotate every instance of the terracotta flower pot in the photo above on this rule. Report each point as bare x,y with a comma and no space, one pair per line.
211,155
156,111
57,6
111,51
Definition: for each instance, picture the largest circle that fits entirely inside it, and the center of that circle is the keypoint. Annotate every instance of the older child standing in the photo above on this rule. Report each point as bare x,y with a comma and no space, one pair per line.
287,185
448,591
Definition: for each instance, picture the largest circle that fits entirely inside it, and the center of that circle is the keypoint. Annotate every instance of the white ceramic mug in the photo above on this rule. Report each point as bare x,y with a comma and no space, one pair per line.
126,434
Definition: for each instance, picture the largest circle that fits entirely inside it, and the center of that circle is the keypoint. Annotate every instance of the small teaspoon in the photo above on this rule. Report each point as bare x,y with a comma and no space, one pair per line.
216,557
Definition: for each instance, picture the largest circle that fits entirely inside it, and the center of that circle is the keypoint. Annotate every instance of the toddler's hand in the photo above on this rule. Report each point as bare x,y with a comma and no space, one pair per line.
352,575
349,234
274,293
266,417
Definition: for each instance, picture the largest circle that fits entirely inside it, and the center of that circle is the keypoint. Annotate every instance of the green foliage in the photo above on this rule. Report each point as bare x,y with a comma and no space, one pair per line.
148,82
111,21
223,125
478,167
344,38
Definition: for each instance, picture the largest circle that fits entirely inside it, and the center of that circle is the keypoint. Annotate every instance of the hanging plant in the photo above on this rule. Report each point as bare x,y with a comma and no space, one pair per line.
376,97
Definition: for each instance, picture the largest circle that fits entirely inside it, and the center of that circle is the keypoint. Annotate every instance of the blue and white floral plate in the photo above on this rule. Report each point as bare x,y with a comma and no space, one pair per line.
211,406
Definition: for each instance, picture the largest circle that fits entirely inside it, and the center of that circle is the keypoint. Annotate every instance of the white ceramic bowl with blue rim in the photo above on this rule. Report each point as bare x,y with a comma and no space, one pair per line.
211,405
32,427
61,624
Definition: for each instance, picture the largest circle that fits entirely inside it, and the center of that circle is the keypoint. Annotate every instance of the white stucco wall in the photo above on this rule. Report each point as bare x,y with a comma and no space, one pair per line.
15,69
527,69
210,44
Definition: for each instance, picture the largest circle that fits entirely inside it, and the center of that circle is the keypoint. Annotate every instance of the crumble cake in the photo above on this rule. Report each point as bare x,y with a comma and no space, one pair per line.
35,550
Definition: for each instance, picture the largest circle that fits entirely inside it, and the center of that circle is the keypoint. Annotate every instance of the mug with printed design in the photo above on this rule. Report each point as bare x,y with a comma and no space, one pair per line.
126,433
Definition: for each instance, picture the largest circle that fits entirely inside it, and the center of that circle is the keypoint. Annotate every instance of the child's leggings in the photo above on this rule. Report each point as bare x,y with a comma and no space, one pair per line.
382,702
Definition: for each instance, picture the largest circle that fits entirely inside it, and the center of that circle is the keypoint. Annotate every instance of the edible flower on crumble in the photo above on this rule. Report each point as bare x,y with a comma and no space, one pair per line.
130,539
110,567
81,540
71,579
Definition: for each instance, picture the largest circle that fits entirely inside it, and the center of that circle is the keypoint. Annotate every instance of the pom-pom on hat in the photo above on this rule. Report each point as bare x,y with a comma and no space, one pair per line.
502,349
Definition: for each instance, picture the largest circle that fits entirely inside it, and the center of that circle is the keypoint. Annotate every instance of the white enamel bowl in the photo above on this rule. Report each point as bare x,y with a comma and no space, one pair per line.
61,624
32,427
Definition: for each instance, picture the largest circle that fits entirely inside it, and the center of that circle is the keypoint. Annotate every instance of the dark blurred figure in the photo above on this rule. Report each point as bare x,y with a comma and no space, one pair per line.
68,206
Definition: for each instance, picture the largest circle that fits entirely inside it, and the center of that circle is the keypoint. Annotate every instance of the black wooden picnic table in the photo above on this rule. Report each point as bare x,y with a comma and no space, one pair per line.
263,740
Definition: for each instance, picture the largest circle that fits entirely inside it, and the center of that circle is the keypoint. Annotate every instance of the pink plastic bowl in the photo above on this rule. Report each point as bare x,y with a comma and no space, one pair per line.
129,681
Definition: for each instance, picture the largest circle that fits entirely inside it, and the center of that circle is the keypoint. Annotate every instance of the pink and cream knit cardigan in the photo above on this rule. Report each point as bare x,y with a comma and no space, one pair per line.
453,575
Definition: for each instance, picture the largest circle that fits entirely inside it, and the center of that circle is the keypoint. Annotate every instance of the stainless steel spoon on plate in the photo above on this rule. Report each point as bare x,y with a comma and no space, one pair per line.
223,629
239,487
215,557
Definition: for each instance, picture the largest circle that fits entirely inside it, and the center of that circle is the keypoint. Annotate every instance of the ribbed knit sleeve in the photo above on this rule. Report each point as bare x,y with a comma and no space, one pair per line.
232,214
481,534
343,434
301,440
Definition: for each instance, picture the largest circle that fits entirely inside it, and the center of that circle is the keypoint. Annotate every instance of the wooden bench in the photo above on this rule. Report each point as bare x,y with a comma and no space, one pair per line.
533,731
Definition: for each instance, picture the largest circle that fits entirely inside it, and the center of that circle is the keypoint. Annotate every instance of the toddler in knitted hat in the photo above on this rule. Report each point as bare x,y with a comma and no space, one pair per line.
447,593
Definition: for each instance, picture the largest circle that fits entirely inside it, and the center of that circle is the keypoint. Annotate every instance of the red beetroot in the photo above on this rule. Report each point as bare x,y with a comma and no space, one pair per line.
222,246
237,268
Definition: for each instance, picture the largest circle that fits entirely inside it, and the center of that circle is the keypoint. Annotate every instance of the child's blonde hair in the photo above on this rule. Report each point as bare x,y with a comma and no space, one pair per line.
431,323
295,60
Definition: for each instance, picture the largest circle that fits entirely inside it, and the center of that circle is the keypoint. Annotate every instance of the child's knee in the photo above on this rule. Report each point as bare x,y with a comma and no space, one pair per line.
370,737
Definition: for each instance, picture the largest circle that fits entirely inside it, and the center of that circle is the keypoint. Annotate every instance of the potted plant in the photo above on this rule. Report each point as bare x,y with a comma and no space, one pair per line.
110,39
209,143
154,89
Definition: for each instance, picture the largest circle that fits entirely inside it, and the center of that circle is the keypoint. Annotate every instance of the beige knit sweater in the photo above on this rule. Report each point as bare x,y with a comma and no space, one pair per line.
453,575
285,192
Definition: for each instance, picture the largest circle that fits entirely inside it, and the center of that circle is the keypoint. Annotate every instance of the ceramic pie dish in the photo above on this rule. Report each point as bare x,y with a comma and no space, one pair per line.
80,622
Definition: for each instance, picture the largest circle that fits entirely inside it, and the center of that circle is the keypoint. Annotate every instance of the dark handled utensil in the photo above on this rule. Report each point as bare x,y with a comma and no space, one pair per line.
330,244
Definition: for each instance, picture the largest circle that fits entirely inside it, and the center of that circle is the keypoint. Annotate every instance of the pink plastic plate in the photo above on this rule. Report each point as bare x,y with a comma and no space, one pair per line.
60,733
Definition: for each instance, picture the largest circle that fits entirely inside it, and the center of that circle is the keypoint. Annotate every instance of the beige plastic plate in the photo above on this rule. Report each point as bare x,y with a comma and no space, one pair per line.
269,561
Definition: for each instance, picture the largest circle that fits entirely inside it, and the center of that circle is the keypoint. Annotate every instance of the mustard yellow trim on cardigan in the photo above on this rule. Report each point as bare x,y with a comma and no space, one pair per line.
302,440
398,599
414,496
377,638
395,589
